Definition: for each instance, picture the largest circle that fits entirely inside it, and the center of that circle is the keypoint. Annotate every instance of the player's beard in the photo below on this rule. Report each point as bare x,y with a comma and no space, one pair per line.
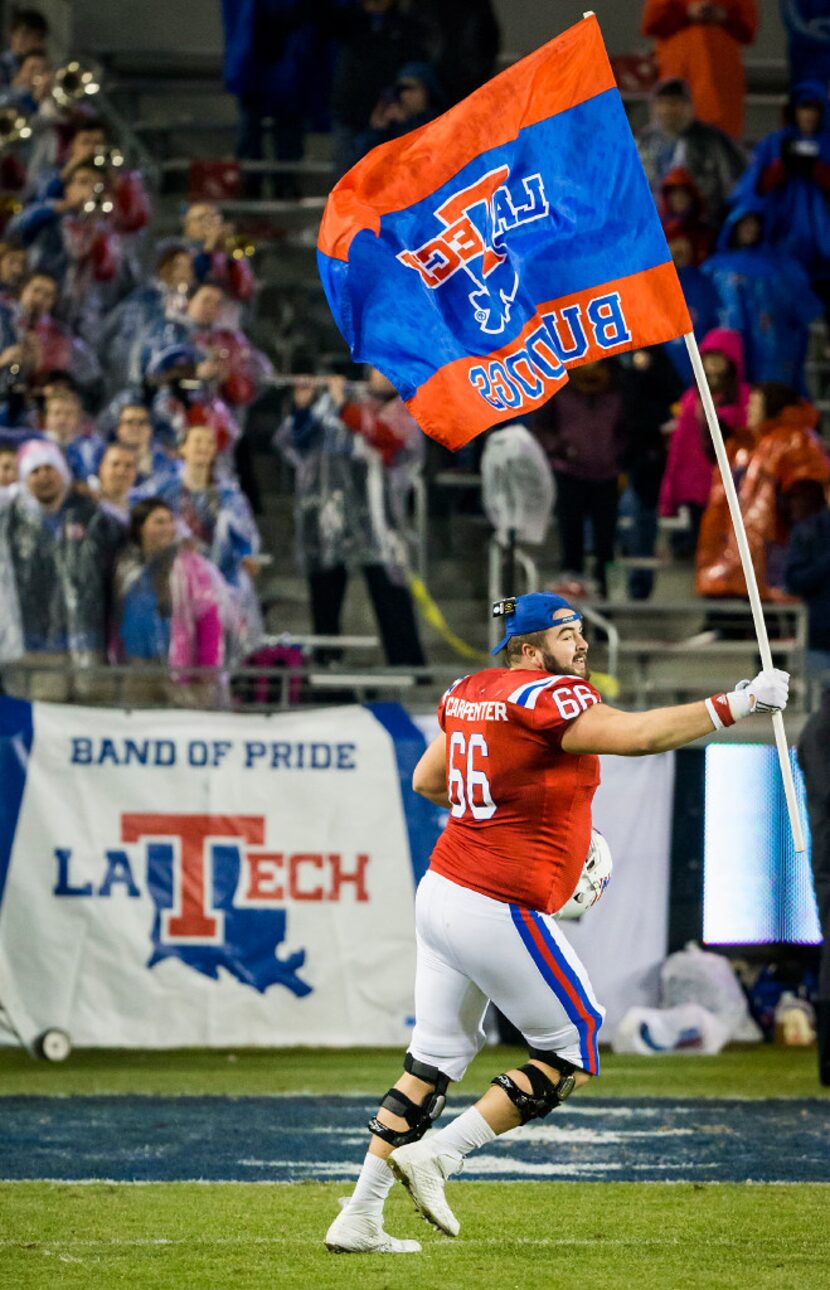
552,665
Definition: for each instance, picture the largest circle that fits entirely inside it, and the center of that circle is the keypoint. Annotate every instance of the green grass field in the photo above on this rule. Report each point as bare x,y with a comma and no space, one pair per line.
601,1236
620,1236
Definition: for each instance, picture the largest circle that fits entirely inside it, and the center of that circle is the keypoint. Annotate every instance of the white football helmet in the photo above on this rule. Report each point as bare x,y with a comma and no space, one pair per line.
595,877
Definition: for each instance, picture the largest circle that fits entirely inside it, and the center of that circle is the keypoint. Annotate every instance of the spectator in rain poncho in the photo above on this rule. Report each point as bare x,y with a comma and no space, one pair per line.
231,366
180,397
688,477
36,343
276,66
29,87
83,240
89,143
134,430
374,41
701,41
790,172
353,465
584,434
675,138
8,464
683,213
207,237
64,424
13,270
785,452
216,513
28,30
170,607
701,301
165,296
765,295
56,558
651,385
114,481
415,99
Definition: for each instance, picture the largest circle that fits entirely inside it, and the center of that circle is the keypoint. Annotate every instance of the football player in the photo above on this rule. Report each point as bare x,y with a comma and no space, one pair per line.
517,766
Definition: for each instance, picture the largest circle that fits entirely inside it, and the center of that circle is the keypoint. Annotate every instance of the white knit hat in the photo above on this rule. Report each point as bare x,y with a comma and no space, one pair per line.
40,452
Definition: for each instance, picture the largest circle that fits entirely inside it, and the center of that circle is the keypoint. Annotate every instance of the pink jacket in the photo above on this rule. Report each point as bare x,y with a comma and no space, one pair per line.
688,475
196,635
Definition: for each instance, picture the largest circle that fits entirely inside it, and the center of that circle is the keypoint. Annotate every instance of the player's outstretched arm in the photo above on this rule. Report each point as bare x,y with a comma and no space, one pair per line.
430,775
602,729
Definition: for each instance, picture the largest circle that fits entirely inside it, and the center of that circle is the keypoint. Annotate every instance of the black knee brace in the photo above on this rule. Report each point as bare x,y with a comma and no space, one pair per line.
544,1096
418,1117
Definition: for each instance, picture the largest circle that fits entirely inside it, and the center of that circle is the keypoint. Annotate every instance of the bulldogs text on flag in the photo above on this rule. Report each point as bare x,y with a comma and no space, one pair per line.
476,259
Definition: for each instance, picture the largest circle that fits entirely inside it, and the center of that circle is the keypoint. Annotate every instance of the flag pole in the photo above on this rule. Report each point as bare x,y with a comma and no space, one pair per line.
751,581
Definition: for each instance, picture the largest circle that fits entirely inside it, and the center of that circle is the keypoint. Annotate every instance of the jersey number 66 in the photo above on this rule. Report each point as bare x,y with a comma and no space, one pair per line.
468,784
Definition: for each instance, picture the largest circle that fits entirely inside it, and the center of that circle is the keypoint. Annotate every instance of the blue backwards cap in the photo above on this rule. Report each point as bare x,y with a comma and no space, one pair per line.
531,613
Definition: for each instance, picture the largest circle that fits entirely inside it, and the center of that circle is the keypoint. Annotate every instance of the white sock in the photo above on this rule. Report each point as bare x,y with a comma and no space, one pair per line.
466,1132
373,1186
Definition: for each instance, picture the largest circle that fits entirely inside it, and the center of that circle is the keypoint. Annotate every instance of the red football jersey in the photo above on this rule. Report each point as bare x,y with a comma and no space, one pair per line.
520,822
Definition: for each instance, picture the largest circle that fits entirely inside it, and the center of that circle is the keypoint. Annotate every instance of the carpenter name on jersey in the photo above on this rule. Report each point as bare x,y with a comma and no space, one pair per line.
520,816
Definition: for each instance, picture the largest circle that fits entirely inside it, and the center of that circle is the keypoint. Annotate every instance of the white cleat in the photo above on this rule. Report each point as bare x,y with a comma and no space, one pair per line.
423,1173
356,1233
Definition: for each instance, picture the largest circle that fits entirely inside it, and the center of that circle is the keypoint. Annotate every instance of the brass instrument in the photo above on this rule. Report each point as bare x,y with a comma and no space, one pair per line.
10,205
107,158
14,126
74,82
100,203
318,382
239,246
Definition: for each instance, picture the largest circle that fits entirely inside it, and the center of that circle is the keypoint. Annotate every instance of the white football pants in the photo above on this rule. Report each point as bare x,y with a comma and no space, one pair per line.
472,949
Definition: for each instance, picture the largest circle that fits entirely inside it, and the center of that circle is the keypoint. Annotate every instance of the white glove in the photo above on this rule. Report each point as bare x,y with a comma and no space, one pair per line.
768,692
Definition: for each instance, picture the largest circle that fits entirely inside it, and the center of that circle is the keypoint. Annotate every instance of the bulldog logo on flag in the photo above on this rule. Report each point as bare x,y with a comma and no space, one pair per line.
475,222
475,259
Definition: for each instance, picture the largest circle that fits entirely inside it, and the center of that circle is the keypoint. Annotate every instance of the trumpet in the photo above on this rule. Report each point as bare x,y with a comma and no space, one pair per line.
107,158
281,381
74,82
100,203
239,246
14,126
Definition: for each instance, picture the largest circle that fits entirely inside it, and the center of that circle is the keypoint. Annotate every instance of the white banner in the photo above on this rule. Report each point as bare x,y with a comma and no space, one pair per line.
173,879
179,878
623,940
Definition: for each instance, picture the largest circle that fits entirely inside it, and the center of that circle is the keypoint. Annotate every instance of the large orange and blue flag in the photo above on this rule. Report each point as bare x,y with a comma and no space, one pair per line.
473,261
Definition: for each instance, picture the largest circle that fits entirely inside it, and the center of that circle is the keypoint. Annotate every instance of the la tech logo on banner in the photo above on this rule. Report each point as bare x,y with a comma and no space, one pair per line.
179,878
218,891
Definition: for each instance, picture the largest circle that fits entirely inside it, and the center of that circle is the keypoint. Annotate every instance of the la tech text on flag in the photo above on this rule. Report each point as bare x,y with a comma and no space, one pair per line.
476,259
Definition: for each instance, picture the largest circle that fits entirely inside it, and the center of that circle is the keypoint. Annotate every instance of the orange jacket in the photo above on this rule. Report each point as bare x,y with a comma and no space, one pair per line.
705,54
786,451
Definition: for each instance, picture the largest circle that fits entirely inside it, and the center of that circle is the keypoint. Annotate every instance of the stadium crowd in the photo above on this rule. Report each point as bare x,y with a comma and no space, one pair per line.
127,375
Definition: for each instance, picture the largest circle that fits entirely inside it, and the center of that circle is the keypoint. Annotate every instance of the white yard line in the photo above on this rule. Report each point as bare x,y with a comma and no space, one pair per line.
544,1242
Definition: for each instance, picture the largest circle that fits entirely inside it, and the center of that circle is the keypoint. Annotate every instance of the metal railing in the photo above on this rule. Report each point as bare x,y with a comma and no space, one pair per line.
242,688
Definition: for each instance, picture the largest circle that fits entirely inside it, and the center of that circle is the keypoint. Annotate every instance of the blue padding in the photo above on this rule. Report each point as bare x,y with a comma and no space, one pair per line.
16,736
423,818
